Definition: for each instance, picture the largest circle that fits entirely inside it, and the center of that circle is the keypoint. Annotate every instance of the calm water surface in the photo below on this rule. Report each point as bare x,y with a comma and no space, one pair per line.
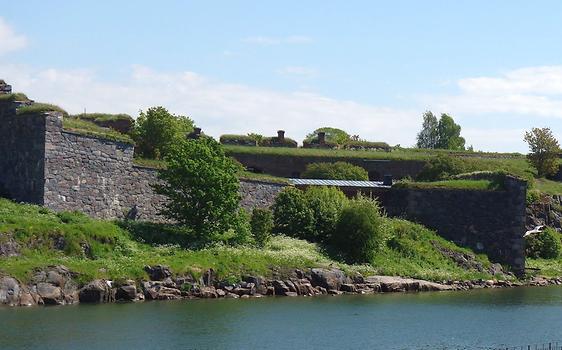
448,320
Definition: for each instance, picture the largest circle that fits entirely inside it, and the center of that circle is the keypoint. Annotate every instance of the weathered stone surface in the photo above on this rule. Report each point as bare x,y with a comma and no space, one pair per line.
126,292
97,291
50,294
158,272
280,288
329,279
9,291
400,284
8,246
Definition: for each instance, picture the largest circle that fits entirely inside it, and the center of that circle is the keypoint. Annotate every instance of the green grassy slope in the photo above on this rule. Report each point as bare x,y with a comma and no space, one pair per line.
105,249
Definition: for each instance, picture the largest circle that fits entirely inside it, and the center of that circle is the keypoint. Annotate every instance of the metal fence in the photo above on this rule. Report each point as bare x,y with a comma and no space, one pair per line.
555,345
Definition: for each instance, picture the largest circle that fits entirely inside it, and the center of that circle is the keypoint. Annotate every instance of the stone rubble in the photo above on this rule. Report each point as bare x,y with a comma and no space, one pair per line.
55,285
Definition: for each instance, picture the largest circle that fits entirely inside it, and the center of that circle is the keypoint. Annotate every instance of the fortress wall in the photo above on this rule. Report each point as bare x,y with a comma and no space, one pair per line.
294,166
22,149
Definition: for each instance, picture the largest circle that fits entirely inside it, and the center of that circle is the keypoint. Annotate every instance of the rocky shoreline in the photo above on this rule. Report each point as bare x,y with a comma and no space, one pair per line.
56,285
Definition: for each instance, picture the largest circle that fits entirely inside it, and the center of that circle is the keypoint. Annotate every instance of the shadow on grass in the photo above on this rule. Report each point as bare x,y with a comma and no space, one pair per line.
163,234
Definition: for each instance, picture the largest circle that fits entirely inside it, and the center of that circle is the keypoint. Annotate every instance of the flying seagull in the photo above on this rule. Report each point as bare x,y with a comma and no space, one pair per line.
537,229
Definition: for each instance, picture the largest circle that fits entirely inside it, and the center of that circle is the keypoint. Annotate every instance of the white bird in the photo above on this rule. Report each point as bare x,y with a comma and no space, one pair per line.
537,229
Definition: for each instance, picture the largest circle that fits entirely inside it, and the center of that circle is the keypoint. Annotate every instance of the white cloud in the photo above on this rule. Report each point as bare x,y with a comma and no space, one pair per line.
9,40
268,40
528,91
216,106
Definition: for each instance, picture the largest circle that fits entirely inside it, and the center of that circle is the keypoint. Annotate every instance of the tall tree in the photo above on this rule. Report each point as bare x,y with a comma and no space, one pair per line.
428,136
544,150
335,135
449,134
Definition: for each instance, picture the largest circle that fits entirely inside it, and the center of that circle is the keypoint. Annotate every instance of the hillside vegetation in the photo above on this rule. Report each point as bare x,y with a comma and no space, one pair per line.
118,250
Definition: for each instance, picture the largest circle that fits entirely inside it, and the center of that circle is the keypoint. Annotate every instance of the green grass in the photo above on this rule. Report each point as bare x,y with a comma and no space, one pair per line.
40,108
411,251
244,175
88,128
118,251
548,186
17,96
478,185
103,117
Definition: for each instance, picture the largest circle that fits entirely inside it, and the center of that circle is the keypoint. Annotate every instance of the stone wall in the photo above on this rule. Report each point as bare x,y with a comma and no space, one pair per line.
22,145
287,166
258,194
95,176
490,222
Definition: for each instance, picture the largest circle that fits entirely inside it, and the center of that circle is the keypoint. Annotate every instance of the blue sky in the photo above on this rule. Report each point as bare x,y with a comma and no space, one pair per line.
369,67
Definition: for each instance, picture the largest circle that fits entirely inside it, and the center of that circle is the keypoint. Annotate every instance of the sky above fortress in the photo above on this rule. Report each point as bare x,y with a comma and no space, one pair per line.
369,67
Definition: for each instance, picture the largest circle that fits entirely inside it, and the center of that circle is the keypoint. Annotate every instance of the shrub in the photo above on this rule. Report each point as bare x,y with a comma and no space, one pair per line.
262,224
201,185
544,245
238,140
326,204
366,146
335,171
314,143
157,129
333,135
359,233
441,168
241,230
275,142
291,214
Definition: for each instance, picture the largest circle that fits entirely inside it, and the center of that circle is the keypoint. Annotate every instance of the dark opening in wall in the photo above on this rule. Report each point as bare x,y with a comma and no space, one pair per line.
296,175
375,176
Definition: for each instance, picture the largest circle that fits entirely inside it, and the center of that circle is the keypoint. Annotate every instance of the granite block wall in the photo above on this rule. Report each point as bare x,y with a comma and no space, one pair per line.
22,149
490,222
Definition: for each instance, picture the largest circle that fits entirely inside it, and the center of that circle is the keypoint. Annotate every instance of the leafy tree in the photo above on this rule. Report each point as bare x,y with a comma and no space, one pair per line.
544,245
291,214
335,135
201,185
157,129
443,133
326,204
262,224
428,137
544,150
359,233
441,168
449,134
335,171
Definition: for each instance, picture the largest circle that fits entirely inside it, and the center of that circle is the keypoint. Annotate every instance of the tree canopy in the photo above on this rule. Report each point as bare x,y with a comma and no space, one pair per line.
335,135
156,129
201,185
544,149
442,134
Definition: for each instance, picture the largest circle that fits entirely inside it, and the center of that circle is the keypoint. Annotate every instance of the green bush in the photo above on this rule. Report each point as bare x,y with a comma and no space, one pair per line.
201,185
239,140
291,214
275,142
335,171
366,146
326,204
544,245
441,168
359,232
262,224
157,129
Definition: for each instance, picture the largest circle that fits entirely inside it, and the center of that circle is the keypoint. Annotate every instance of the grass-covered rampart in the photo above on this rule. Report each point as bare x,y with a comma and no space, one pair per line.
115,250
